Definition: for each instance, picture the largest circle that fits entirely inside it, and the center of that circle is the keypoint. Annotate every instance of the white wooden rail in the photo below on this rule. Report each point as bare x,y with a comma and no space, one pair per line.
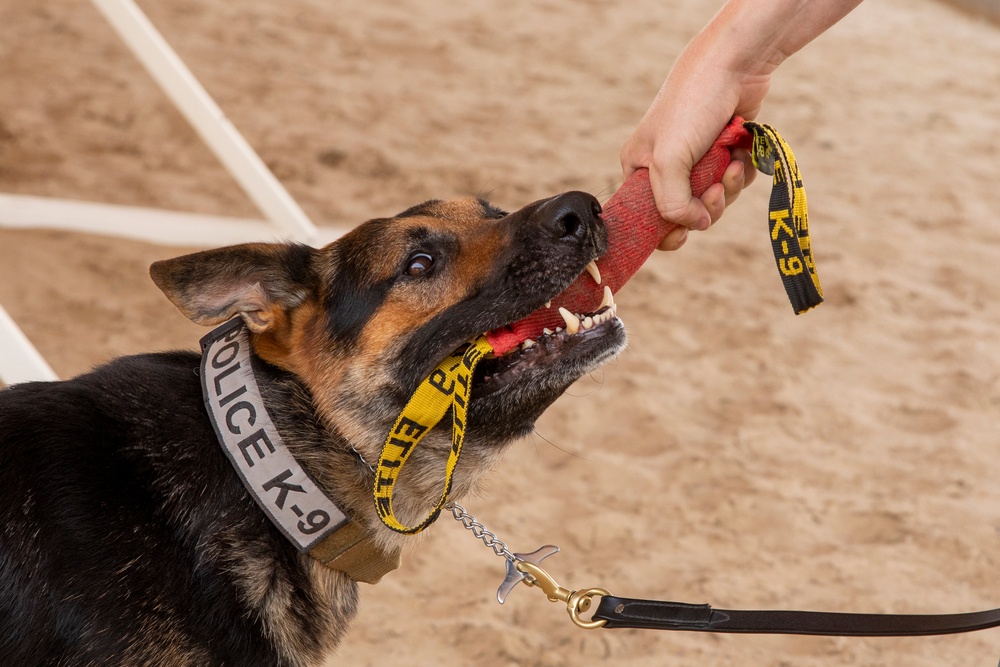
19,360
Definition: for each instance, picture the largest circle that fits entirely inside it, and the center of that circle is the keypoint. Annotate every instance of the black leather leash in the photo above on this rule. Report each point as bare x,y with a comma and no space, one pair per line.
619,612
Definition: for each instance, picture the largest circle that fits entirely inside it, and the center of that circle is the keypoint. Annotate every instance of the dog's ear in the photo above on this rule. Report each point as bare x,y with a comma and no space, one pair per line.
257,281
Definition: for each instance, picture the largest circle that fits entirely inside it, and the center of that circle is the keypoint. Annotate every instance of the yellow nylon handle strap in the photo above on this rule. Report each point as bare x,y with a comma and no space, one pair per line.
447,387
788,216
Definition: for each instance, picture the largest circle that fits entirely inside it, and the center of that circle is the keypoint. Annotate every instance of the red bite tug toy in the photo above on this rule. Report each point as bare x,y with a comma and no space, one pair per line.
635,228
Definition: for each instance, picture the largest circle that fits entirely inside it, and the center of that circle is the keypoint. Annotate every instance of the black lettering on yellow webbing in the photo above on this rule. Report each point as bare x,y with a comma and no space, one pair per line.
448,386
788,218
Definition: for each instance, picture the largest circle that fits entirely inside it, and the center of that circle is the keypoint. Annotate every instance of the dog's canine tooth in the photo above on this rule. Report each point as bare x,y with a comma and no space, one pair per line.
609,298
594,272
572,321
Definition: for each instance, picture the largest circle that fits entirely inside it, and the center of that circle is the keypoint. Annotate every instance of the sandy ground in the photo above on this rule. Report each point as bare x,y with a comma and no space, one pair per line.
736,454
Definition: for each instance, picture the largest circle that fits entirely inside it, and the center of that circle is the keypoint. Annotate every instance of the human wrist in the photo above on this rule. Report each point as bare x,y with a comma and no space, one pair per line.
753,37
749,38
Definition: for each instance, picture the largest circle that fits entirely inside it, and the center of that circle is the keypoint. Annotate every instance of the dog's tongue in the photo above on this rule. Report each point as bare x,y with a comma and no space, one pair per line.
635,228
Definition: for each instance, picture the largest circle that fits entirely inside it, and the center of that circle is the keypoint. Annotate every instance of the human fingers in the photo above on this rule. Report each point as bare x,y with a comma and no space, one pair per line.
714,199
739,175
674,239
671,186
733,181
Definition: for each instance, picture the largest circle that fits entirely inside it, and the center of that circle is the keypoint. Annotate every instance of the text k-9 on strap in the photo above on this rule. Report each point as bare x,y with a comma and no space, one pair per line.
788,216
449,384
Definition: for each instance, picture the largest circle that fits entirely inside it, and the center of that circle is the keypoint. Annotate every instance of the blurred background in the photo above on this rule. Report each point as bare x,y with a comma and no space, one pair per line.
736,454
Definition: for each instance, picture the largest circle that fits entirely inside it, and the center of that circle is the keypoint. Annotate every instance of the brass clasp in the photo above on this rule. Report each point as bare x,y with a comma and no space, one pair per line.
577,602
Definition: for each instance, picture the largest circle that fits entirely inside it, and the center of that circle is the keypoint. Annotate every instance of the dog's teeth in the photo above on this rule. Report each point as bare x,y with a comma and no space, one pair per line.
527,343
548,304
559,329
609,298
588,323
594,272
547,331
572,321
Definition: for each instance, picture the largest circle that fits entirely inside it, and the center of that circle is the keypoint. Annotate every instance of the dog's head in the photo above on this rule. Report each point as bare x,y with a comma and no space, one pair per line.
363,320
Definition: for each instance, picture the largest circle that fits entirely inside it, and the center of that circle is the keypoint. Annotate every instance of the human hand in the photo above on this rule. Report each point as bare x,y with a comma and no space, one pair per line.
696,101
739,174
725,71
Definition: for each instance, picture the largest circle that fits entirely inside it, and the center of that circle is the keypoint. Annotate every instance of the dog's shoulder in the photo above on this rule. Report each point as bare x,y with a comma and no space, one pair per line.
122,468
107,404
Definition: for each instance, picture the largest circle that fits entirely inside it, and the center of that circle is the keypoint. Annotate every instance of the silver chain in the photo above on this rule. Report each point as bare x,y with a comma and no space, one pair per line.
488,537
479,530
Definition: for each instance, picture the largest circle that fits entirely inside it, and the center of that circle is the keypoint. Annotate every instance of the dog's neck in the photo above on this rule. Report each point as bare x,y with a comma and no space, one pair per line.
336,437
294,498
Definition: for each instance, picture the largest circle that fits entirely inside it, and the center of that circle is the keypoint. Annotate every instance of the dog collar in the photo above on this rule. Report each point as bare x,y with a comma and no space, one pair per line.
284,490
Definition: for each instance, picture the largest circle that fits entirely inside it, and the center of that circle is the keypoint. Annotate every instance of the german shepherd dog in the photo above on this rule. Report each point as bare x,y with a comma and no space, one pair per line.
126,535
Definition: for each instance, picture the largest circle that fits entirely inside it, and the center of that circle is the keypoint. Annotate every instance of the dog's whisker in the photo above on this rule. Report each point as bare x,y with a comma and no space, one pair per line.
534,431
594,376
604,194
484,193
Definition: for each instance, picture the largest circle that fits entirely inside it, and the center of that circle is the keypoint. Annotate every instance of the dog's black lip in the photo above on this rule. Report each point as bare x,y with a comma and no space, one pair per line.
546,298
495,373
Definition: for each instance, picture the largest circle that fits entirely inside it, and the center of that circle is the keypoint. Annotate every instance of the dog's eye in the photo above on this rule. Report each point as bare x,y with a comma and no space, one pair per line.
419,264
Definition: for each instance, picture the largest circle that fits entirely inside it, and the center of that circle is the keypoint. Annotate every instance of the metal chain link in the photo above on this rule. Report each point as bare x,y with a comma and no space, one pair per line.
479,530
488,537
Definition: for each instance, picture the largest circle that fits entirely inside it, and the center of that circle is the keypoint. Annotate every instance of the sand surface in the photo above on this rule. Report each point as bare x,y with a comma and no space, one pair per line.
736,454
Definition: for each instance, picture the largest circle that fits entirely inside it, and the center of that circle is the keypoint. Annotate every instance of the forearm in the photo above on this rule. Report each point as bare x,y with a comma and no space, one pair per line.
755,36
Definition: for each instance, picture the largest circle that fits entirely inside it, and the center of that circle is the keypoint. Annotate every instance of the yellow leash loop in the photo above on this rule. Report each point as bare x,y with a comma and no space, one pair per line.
789,217
447,387
450,383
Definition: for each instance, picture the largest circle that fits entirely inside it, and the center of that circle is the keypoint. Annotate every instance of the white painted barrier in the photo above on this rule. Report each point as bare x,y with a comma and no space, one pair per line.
19,360
207,118
152,225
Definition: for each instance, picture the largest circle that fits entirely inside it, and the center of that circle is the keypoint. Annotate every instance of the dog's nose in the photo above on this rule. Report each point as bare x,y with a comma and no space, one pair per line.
571,215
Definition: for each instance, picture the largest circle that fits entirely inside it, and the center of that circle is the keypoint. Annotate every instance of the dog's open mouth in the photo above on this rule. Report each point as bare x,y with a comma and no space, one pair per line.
589,338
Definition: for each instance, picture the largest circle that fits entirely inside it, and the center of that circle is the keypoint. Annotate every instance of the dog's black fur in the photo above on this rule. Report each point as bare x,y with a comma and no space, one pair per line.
128,539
